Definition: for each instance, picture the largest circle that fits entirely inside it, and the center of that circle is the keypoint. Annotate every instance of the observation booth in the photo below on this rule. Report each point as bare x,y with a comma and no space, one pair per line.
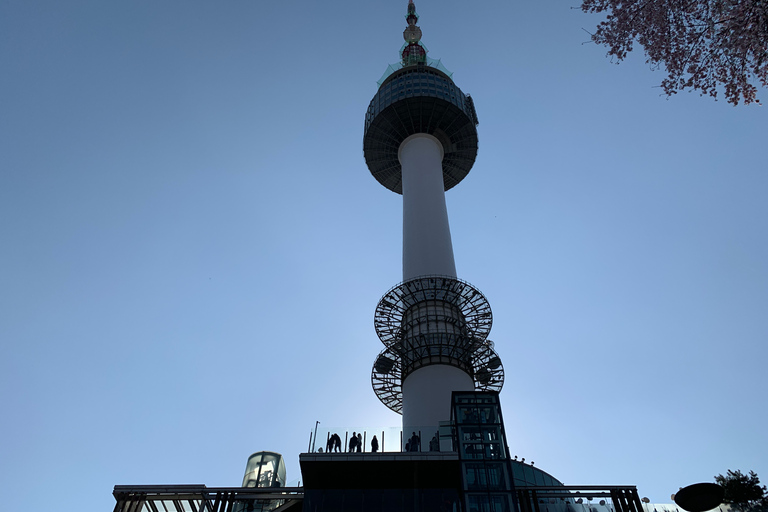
264,469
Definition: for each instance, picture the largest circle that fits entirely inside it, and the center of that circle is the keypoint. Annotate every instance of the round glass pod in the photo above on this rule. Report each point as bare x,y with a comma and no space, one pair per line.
264,469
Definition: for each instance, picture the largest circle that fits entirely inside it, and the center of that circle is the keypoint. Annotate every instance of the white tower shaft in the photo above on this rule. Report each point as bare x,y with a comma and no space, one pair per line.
427,250
427,397
427,247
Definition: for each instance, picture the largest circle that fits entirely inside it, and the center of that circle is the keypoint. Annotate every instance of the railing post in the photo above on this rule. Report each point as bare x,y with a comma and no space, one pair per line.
636,499
616,499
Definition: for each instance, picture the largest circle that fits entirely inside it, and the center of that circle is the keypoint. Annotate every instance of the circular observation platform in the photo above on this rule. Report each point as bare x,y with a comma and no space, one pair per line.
419,99
433,320
394,364
470,311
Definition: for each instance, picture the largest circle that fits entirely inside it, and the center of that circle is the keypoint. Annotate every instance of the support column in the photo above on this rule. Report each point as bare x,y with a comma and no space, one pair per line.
427,247
427,397
427,250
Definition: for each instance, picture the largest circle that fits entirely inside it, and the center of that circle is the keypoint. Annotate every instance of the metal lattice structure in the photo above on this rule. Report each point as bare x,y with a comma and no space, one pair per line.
386,379
199,498
487,369
474,311
386,376
433,320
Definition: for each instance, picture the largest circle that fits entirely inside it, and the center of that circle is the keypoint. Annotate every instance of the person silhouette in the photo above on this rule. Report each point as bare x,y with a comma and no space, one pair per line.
374,444
415,442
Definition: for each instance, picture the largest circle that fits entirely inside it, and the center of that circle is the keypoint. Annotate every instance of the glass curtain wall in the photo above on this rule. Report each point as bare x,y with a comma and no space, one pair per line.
483,452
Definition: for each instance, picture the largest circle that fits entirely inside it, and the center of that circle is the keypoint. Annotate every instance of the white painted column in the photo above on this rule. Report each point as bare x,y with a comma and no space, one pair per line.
427,250
427,247
427,398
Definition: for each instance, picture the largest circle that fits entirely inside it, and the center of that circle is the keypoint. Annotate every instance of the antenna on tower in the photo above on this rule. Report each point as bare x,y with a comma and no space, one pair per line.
413,52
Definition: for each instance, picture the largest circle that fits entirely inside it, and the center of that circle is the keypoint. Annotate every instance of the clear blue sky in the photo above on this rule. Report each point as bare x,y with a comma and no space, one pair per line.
192,248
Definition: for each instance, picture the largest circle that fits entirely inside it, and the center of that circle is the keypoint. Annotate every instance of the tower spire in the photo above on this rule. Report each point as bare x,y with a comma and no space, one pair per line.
413,51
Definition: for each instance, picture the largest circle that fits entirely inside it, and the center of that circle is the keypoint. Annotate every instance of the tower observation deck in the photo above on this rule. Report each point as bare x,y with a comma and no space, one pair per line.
420,140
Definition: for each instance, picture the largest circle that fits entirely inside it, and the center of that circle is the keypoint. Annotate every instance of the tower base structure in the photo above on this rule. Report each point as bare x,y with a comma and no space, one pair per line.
476,475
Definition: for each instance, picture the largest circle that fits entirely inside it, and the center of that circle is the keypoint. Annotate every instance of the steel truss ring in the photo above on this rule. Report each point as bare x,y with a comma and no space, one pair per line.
486,371
386,381
440,348
392,307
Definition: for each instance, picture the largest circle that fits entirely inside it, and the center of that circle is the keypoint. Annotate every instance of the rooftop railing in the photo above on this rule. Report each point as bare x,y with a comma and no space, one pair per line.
433,63
199,498
380,439
569,500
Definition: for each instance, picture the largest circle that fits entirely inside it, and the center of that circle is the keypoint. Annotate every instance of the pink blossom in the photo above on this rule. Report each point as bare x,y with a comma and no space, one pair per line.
709,45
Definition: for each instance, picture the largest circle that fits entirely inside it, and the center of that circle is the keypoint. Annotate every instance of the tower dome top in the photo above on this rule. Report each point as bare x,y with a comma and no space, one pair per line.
417,95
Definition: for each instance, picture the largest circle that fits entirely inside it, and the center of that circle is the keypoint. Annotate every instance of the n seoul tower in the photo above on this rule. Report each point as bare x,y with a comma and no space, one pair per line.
420,140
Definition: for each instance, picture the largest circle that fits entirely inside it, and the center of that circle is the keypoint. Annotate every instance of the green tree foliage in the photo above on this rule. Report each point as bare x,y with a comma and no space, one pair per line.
704,45
743,492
